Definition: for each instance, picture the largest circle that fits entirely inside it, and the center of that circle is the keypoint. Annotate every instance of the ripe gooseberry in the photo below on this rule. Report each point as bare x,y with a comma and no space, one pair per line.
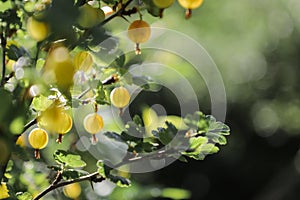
83,61
38,139
59,67
162,4
65,126
89,16
55,119
120,97
189,5
72,191
93,123
36,29
139,31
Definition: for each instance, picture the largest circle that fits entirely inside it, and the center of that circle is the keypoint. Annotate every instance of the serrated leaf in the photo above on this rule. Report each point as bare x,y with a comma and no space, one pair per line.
216,138
182,159
196,142
166,135
120,181
138,120
101,169
24,196
100,95
68,159
73,174
41,103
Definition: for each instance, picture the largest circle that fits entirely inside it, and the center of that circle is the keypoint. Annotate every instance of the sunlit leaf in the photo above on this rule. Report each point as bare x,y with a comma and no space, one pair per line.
68,159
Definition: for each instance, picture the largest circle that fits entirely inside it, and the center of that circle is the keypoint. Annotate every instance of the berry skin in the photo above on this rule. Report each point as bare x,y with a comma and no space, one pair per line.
93,123
90,16
120,97
38,139
56,120
189,5
163,3
72,191
37,30
65,126
139,31
59,67
83,61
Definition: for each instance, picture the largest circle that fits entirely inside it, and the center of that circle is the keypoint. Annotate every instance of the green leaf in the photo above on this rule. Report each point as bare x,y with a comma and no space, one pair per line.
151,8
100,94
196,142
55,167
73,174
101,168
217,127
138,120
119,180
220,139
182,159
14,52
166,135
41,103
68,159
201,151
175,193
24,196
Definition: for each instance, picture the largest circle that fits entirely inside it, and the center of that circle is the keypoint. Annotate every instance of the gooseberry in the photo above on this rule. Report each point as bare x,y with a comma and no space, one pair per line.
93,123
72,191
162,4
83,61
120,97
89,16
139,32
55,119
189,5
38,139
36,29
65,126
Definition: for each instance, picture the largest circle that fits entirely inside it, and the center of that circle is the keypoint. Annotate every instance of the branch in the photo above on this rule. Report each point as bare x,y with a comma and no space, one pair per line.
112,79
3,46
159,154
95,177
120,13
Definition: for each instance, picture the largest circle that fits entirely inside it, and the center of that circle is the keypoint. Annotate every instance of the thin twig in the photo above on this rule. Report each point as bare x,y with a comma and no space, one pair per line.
121,12
159,154
3,46
95,177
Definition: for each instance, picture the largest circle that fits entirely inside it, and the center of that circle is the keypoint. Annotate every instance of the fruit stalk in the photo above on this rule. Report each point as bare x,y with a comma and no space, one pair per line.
188,13
37,154
94,177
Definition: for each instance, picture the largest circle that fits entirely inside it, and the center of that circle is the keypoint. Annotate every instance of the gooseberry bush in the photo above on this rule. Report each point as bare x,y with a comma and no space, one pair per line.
50,70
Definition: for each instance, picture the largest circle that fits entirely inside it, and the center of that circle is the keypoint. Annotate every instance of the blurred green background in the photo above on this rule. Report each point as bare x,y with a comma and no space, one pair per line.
256,46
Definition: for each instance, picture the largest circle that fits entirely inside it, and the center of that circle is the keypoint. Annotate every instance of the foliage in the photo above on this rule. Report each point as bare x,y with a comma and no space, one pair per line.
51,68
